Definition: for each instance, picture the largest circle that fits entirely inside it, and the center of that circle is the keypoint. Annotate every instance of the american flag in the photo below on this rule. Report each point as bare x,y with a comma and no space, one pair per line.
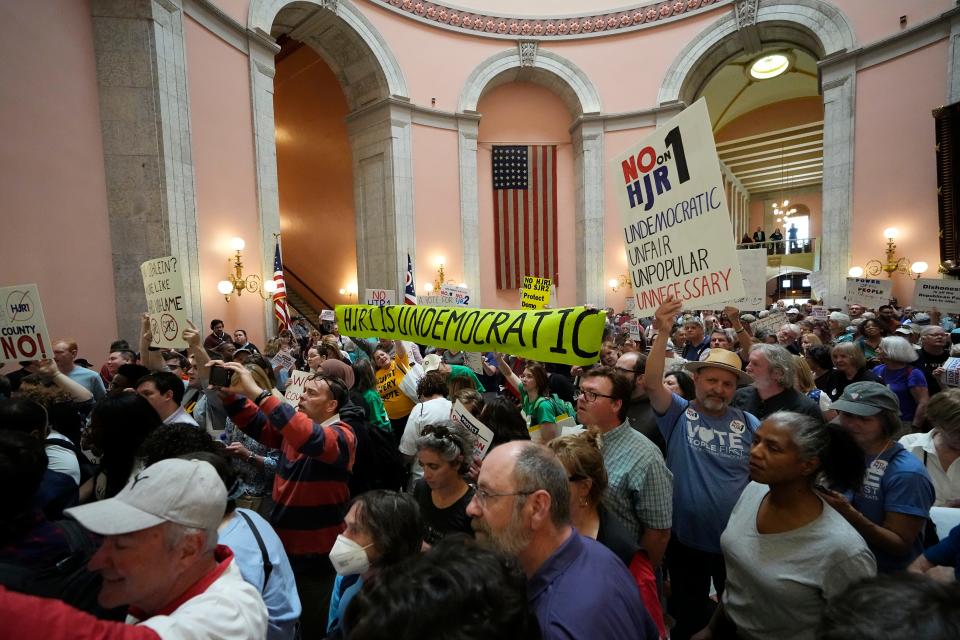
409,291
280,295
525,213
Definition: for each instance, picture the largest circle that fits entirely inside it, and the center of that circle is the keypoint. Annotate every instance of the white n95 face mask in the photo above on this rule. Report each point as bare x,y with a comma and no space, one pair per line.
348,557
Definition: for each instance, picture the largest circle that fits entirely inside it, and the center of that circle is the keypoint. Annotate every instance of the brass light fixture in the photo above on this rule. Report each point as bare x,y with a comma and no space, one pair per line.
620,282
891,264
237,283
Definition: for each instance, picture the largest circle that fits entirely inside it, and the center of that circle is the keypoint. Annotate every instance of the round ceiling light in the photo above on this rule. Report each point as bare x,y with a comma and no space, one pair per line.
769,66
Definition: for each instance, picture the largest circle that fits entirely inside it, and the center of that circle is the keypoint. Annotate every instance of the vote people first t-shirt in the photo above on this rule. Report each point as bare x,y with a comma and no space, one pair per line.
709,458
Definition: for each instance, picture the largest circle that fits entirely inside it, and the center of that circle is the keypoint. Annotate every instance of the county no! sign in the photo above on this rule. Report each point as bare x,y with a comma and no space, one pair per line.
676,225
23,330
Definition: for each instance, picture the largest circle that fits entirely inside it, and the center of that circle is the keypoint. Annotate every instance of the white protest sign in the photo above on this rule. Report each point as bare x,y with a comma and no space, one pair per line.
636,329
535,293
328,315
753,267
295,387
951,372
942,294
283,360
676,224
818,284
434,301
630,305
772,322
23,330
163,284
868,292
459,295
474,361
820,312
482,432
380,297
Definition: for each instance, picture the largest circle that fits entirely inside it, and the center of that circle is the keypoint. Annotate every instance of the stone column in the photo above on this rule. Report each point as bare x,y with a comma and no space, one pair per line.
383,192
145,121
587,139
839,94
468,125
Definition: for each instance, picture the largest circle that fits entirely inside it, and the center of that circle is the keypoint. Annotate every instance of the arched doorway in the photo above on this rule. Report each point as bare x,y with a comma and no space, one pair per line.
810,26
378,132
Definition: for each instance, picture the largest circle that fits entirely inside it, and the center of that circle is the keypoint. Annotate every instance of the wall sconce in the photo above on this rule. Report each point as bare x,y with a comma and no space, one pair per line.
891,264
619,282
350,290
237,283
434,287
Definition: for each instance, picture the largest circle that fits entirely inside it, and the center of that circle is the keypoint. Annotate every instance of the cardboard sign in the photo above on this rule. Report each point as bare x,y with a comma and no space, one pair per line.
295,387
474,361
753,267
434,301
23,330
163,285
380,297
630,305
459,295
818,284
823,313
868,292
482,432
569,336
772,322
636,329
944,295
535,293
283,360
676,225
951,372
328,315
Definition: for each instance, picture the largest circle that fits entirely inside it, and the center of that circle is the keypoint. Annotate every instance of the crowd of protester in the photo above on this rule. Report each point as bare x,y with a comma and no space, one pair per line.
704,479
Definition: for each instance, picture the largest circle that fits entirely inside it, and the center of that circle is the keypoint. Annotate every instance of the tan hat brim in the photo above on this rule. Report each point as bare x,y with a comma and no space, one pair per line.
113,517
742,376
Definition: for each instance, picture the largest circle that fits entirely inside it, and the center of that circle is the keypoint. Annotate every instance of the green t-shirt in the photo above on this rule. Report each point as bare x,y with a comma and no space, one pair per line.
378,413
541,411
457,370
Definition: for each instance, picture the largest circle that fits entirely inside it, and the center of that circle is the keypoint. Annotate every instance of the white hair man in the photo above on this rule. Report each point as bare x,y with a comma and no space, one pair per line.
160,558
774,376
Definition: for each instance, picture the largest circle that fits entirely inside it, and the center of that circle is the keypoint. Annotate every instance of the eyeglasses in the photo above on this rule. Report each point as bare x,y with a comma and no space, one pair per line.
482,495
589,396
625,370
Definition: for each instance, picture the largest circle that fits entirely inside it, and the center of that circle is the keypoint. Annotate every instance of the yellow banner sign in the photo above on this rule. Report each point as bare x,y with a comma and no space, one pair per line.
535,293
569,336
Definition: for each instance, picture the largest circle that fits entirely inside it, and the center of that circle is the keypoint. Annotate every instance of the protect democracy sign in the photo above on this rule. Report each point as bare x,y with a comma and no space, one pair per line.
569,336
535,293
675,221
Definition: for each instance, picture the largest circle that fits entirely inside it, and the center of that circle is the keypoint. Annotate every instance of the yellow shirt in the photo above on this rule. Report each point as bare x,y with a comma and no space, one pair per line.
395,401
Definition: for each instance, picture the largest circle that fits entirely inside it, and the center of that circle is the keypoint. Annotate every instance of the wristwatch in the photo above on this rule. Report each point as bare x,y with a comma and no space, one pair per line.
252,458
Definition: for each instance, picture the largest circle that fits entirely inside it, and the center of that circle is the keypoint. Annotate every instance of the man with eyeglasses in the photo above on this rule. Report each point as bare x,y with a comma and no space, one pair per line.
577,588
640,489
317,451
932,354
633,366
708,448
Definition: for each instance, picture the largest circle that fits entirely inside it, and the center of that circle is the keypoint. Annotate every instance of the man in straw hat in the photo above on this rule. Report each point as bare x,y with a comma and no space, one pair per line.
708,446
159,557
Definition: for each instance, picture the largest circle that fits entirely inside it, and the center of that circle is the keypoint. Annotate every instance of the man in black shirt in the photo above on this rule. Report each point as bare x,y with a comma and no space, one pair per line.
774,376
933,353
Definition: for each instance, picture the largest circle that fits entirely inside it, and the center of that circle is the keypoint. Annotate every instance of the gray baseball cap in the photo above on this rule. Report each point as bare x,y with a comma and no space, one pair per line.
186,492
867,399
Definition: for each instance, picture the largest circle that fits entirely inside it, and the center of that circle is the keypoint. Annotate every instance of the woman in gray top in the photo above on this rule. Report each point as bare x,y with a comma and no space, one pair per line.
787,552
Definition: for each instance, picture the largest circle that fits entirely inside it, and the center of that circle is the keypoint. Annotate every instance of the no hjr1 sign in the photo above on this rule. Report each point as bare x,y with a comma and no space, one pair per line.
23,330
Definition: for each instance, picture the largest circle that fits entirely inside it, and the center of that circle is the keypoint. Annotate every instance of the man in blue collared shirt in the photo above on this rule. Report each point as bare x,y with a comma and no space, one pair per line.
576,586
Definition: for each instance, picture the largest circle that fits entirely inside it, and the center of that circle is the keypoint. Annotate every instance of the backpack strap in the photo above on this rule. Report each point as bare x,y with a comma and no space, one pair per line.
267,565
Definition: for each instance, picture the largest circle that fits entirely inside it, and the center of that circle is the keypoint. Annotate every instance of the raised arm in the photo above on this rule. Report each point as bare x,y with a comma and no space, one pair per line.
507,372
152,360
195,348
660,396
48,370
743,336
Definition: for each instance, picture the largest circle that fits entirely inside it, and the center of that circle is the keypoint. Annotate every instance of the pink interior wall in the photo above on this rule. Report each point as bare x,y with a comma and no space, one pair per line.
895,178
236,9
525,113
221,127
436,201
315,175
873,20
52,186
